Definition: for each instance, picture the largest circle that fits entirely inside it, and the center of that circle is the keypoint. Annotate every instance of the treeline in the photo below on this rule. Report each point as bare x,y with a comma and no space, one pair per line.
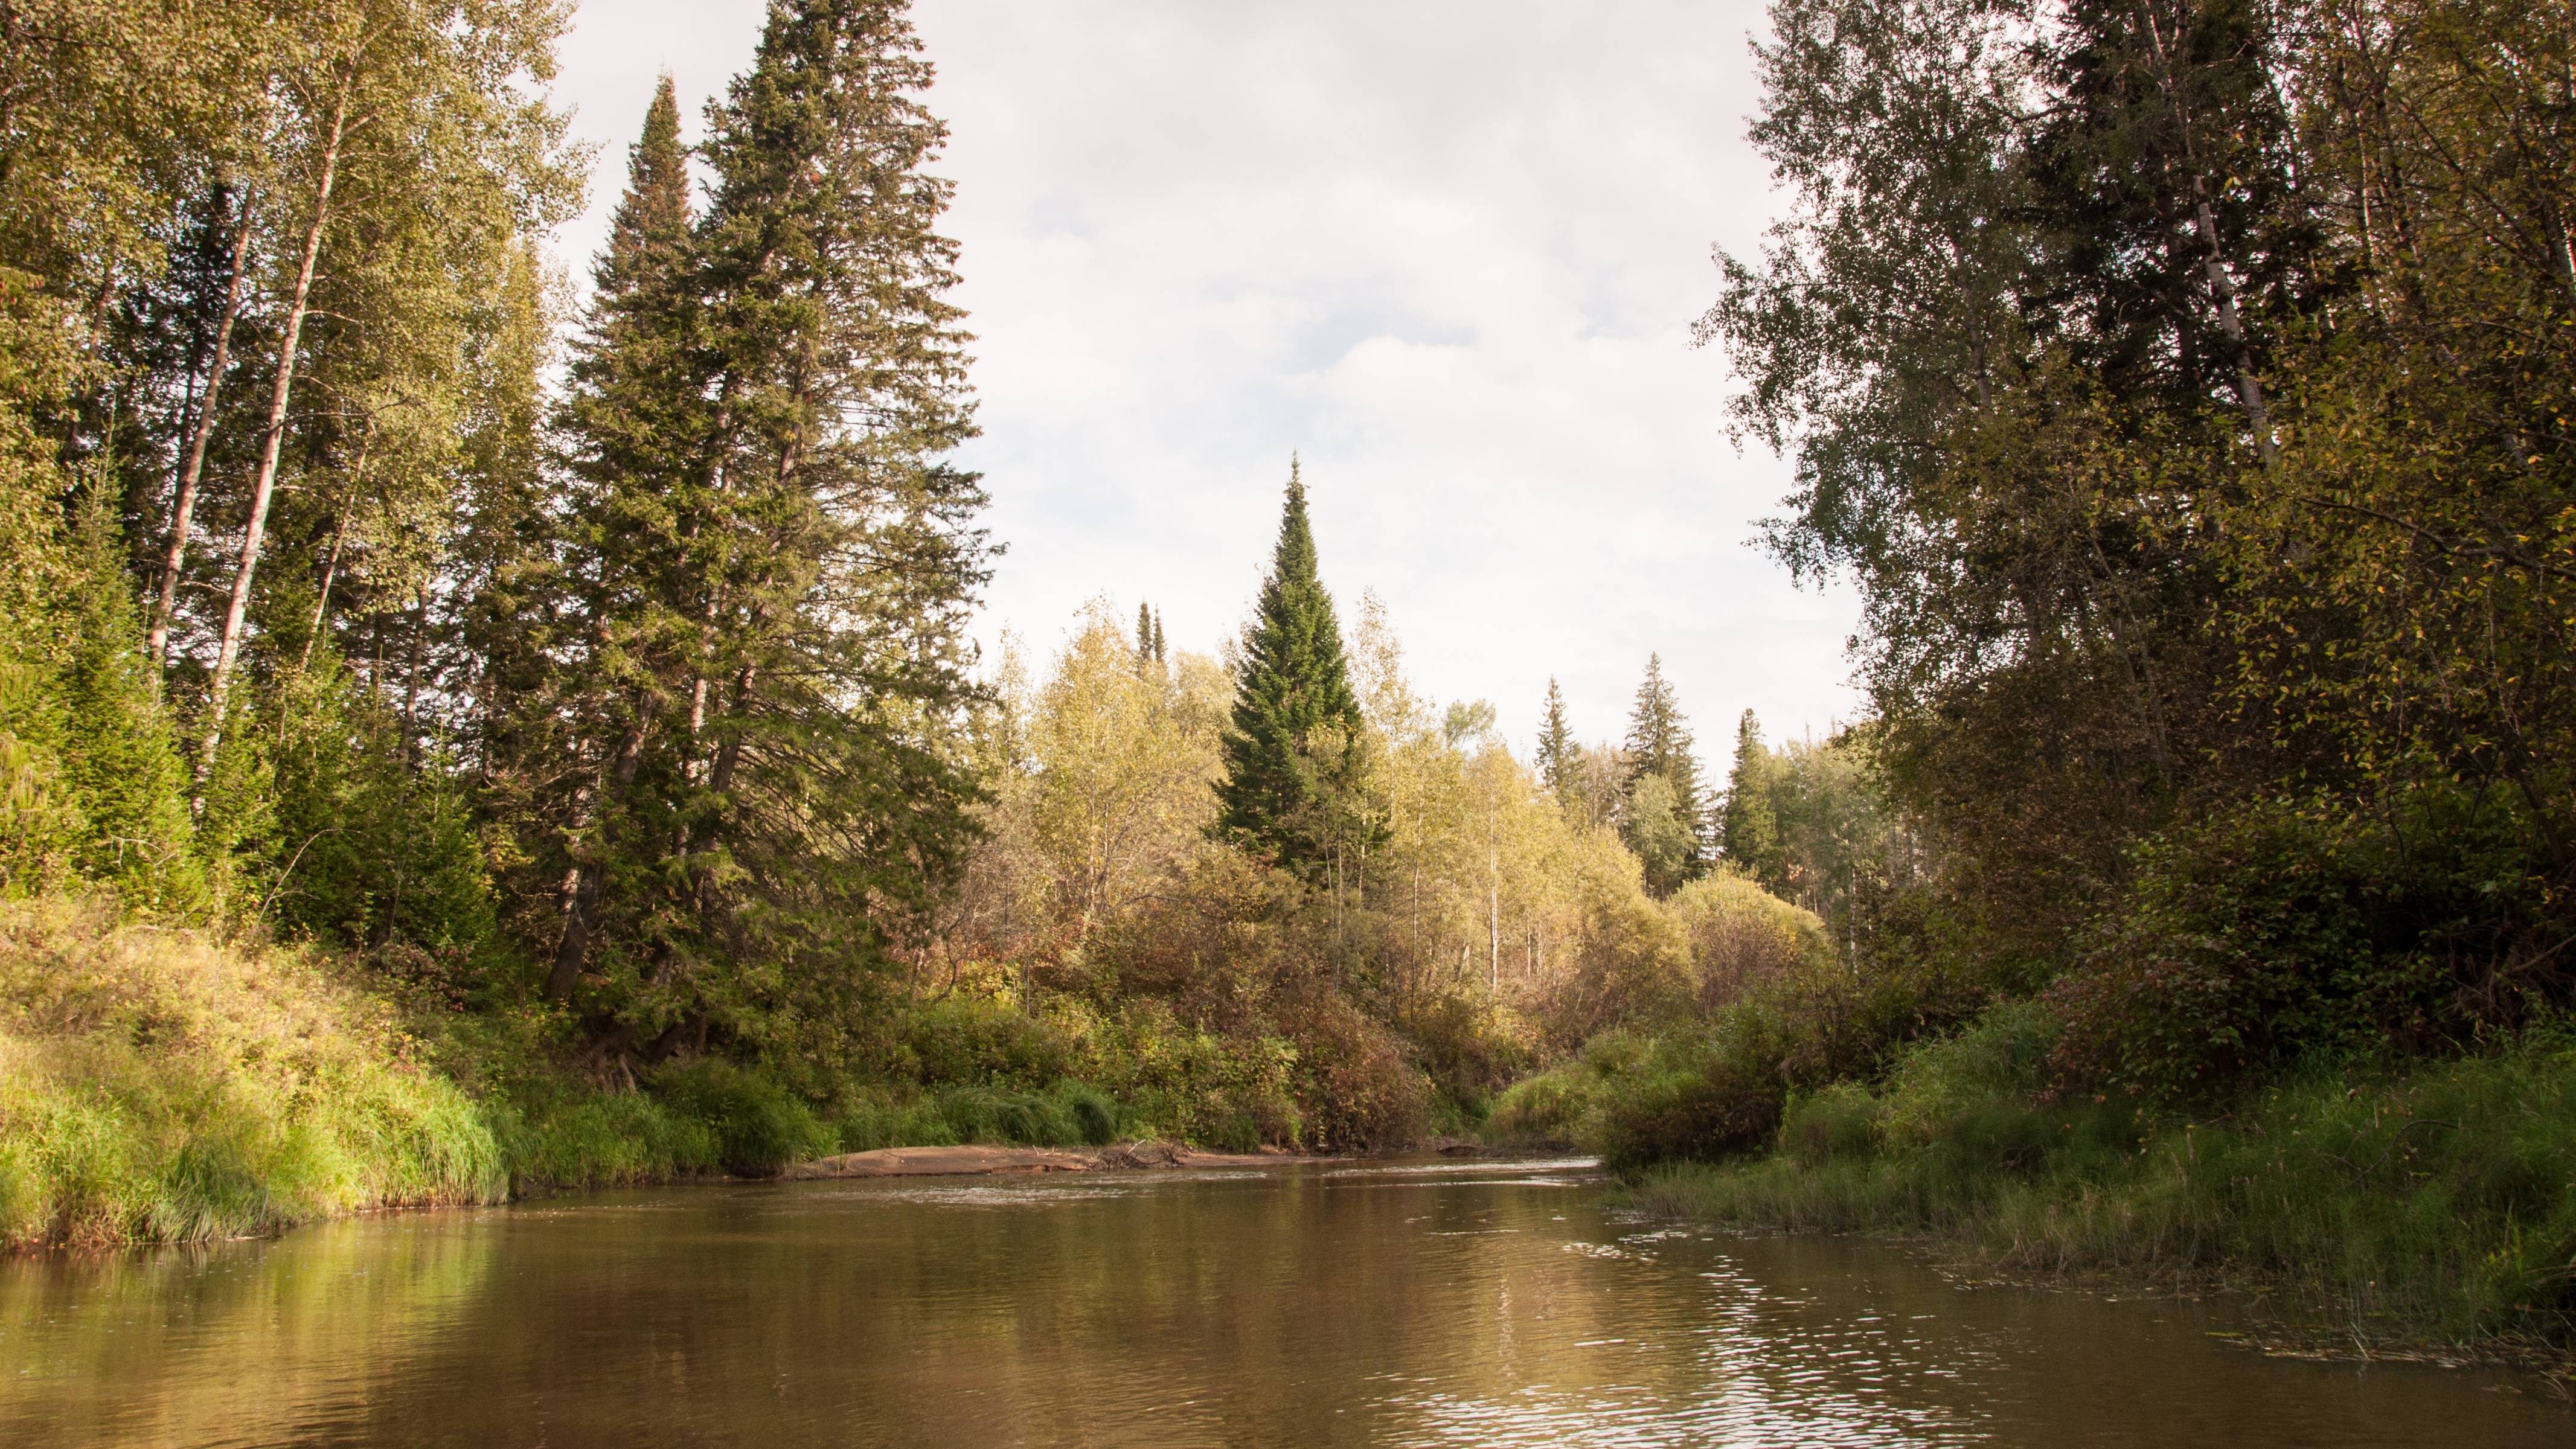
1366,910
2182,384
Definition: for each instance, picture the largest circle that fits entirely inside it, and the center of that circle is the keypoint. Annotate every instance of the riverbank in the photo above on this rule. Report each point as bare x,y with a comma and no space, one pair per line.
2430,1211
158,1086
167,1086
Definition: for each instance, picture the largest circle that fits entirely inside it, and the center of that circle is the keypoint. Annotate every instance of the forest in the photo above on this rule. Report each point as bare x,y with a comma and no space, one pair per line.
462,740
464,735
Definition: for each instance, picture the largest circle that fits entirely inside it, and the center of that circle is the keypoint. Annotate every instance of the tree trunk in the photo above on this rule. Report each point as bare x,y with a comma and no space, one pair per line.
265,484
411,675
582,885
183,502
2249,388
331,556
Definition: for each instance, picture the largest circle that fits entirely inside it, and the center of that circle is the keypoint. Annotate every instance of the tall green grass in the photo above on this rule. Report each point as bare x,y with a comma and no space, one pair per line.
157,1087
2436,1201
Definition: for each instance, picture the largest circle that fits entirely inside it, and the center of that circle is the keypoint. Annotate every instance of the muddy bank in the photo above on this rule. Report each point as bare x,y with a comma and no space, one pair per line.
984,1161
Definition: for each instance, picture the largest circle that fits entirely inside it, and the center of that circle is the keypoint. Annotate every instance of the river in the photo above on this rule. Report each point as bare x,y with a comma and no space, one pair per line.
1371,1303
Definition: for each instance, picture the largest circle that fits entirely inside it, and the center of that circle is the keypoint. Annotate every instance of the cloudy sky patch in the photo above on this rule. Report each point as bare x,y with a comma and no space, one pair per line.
1447,252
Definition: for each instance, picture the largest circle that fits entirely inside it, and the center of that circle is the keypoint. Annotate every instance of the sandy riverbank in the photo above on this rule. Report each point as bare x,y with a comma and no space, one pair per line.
979,1161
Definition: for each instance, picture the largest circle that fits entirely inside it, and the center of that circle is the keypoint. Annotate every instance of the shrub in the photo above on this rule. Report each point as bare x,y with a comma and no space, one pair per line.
2002,1055
1722,1089
2440,1197
1549,1109
1708,1097
1841,1120
1357,1086
758,1127
1559,1107
2284,932
1470,1045
983,1039
1742,937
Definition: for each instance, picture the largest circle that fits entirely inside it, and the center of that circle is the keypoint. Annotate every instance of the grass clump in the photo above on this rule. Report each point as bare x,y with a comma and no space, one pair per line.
156,1086
586,1139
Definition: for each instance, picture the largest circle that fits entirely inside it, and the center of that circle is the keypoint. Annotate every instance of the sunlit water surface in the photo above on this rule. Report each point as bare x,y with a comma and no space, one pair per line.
1399,1303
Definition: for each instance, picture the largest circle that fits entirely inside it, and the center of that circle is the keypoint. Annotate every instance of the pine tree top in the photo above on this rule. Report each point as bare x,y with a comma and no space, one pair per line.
1295,676
1659,739
1292,559
1555,739
651,223
1294,683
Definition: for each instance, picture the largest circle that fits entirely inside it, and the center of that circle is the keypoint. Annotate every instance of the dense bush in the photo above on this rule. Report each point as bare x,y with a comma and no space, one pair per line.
2286,932
980,1038
1714,1094
1718,1085
1556,1107
758,1127
1227,1017
2001,1056
1742,937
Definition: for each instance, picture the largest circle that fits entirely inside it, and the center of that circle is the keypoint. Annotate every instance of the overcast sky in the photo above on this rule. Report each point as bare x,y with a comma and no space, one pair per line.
1447,252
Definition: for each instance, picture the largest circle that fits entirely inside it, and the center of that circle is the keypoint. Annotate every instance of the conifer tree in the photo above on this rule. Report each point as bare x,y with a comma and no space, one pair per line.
1145,633
1659,739
1162,646
835,554
785,563
1555,742
630,415
1659,746
1295,735
1748,824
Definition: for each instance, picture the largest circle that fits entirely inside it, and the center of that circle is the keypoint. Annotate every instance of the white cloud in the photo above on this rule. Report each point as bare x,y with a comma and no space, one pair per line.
1448,251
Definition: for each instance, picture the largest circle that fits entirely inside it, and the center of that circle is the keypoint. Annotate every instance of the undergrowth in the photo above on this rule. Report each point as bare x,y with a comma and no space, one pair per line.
2432,1201
164,1086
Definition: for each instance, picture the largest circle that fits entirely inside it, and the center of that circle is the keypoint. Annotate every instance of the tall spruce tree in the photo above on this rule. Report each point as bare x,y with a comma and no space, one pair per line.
1659,739
629,419
836,552
780,651
1295,738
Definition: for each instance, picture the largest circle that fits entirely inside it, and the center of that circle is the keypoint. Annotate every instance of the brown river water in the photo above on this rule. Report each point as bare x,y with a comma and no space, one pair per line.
1370,1303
